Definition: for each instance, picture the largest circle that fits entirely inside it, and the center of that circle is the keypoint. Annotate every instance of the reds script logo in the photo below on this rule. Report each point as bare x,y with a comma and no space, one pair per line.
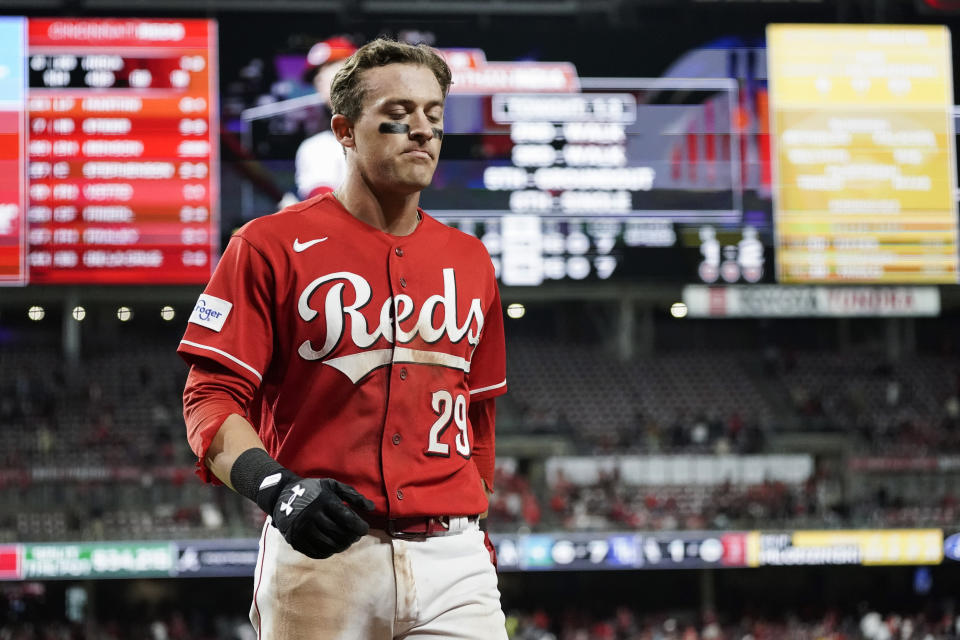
358,365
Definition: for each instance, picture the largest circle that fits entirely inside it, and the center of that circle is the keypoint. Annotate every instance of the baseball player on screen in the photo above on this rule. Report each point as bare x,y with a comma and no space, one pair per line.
319,162
345,357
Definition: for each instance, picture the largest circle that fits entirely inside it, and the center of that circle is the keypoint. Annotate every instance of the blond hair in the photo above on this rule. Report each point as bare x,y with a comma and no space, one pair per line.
348,91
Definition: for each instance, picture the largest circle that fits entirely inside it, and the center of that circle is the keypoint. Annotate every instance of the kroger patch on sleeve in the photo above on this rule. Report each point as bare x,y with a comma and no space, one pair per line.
210,312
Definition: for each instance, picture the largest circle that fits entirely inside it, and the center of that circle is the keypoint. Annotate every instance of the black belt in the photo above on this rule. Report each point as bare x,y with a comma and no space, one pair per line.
414,527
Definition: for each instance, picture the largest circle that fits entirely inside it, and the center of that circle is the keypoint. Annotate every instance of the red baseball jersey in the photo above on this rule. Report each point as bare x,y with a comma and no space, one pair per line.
367,351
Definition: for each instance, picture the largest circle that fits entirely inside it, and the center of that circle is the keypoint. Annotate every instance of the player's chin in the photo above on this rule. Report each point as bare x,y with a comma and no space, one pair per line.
417,180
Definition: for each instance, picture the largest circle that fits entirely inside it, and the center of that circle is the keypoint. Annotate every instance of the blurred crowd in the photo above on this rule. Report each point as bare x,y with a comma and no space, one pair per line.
625,624
71,442
171,627
574,623
821,501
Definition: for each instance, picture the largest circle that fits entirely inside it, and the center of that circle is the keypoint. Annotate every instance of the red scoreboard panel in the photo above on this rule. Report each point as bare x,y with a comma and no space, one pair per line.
12,136
12,267
122,151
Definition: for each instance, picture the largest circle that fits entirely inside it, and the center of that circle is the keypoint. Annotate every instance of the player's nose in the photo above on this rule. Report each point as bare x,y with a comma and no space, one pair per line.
421,129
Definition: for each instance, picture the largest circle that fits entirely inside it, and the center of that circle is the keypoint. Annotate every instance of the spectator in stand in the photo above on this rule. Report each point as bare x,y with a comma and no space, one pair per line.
320,162
514,503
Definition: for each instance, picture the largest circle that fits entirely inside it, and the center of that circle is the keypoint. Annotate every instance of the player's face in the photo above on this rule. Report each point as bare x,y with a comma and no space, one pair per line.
324,78
399,131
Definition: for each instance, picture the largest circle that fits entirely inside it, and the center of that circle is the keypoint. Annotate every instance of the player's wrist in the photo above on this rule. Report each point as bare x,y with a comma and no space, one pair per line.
260,478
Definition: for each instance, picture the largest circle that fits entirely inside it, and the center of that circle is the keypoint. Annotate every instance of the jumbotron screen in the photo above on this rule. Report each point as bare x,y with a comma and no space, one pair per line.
570,178
843,171
108,138
585,182
865,153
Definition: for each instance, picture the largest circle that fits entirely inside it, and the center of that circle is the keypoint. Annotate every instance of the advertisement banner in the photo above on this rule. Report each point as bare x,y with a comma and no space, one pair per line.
10,566
98,560
564,551
773,301
887,547
220,558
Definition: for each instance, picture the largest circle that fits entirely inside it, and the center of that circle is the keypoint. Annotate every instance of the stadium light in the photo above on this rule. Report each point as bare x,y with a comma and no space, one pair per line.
167,313
36,313
516,310
678,310
79,313
124,314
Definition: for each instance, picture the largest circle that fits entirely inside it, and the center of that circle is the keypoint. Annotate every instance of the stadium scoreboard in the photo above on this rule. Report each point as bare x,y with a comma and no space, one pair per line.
578,181
864,154
110,167
113,124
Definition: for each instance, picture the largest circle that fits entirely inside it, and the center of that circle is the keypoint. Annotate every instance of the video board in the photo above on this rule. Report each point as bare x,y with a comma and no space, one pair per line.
567,185
13,268
120,153
571,178
865,153
108,132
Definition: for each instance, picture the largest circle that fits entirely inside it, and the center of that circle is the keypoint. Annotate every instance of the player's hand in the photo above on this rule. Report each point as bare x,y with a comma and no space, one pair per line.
312,516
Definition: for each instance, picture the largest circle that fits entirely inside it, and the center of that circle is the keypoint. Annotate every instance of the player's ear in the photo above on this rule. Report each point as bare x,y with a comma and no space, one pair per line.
343,130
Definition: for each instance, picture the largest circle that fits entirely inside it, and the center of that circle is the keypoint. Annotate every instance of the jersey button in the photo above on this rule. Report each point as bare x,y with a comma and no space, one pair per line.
396,438
399,252
399,494
403,282
403,373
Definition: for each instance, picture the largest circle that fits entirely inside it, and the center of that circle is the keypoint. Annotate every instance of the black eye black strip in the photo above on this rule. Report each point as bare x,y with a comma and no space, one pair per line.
394,127
404,129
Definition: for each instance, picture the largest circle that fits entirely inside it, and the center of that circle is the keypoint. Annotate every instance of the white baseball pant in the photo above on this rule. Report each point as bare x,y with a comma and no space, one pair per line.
381,588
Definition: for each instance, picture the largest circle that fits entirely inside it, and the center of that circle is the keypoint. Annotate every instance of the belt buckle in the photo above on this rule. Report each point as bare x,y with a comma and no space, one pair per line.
408,535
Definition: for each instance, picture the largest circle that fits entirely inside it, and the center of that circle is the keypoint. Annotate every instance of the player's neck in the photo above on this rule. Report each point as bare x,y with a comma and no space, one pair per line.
390,213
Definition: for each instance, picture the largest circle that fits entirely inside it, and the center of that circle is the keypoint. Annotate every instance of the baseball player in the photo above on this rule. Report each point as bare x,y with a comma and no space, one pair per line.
345,357
319,164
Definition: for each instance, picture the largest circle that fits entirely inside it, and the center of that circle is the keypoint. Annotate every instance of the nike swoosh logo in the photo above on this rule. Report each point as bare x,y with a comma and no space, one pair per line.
303,246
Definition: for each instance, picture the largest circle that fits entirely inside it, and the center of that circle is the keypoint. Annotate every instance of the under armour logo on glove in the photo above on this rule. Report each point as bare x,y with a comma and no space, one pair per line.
287,507
317,516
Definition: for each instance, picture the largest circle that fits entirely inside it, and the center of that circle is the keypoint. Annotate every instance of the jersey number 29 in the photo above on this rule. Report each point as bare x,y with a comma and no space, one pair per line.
445,405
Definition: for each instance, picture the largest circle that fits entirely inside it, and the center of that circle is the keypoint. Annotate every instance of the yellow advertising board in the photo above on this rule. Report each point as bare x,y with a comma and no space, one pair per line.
876,547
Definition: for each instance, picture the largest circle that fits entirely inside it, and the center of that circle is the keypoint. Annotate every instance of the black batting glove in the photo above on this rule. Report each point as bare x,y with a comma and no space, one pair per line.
312,516
310,513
